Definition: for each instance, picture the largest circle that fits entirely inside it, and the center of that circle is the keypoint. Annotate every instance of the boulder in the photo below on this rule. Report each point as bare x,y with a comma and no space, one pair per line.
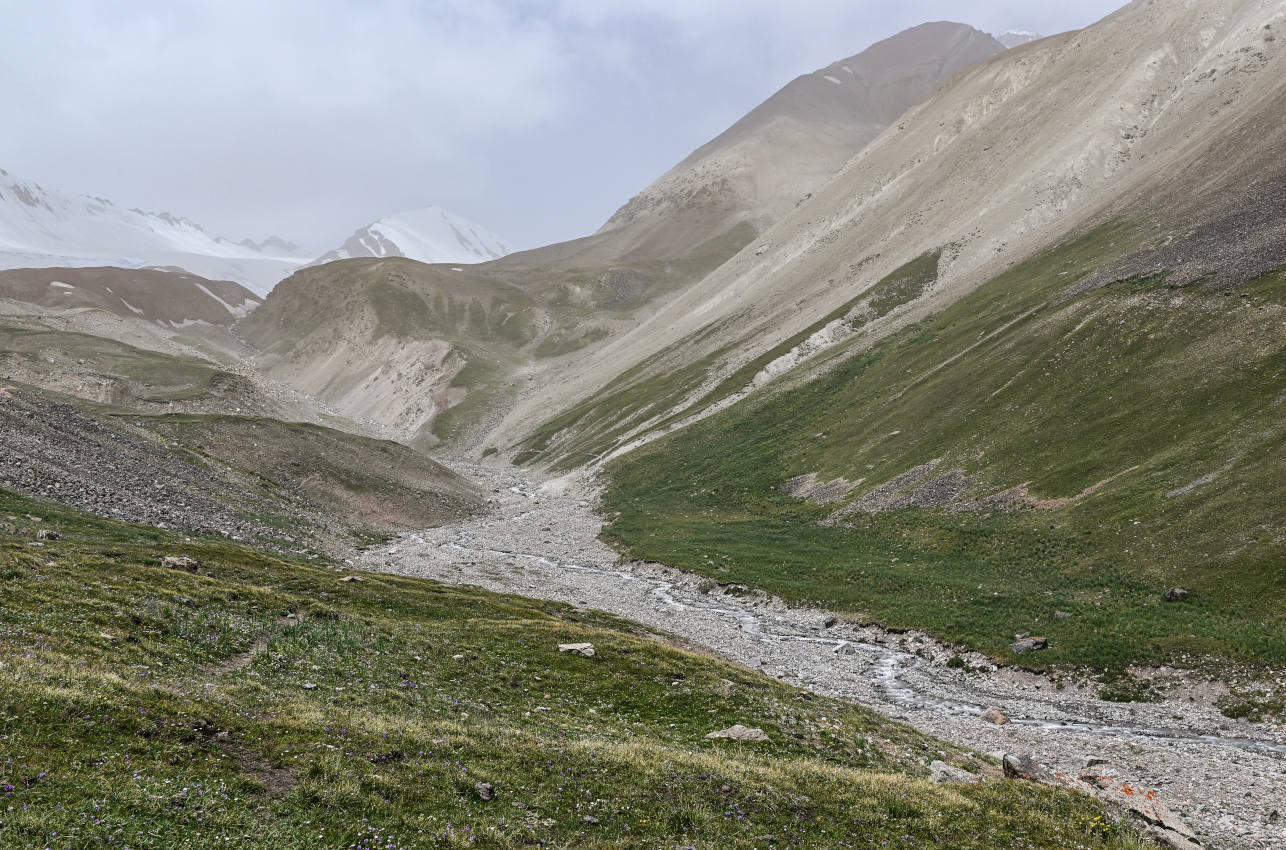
182,562
941,772
1062,615
829,622
738,733
1141,804
486,791
1176,594
996,716
352,578
1025,767
47,534
585,650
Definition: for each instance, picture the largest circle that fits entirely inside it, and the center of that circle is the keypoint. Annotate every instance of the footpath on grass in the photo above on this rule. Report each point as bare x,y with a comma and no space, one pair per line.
1227,779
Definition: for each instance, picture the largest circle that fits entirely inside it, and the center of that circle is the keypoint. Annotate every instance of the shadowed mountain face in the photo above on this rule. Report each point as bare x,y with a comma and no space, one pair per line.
171,298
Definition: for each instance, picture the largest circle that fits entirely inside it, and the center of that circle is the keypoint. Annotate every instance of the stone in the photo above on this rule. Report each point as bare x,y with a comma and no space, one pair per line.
829,622
1141,804
352,578
941,772
1093,761
1025,767
486,791
738,733
1029,644
182,562
1063,615
47,534
1176,594
309,686
585,650
1022,635
996,716
590,819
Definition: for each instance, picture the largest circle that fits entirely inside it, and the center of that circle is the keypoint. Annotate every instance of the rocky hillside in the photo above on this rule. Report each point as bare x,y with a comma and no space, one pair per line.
286,486
1162,116
738,184
786,148
167,298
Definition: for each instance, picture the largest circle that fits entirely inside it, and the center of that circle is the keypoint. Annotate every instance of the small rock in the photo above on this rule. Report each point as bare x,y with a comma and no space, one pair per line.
585,650
486,791
1022,635
1176,594
352,578
182,562
941,772
738,733
1093,761
47,534
591,820
34,518
1029,644
829,622
1062,615
309,686
996,716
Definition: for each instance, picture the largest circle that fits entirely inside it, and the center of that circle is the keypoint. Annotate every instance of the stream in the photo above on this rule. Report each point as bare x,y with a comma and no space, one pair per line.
1226,778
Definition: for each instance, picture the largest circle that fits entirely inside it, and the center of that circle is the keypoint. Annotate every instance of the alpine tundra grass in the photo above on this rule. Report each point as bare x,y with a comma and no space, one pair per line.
247,701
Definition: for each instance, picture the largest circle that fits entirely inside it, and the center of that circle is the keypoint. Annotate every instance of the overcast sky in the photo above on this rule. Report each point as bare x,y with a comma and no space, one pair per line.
310,118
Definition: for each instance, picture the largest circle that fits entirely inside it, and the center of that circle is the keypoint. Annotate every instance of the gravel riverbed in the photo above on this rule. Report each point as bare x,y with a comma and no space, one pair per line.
1226,779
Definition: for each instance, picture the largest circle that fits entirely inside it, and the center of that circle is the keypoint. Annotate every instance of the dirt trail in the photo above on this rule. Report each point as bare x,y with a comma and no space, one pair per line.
1226,778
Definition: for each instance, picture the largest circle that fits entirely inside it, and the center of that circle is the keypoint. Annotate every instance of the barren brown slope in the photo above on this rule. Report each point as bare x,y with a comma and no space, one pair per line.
756,171
1167,114
172,298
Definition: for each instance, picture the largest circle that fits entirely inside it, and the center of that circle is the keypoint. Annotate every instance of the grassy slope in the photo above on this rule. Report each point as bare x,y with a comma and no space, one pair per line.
1160,387
133,712
648,394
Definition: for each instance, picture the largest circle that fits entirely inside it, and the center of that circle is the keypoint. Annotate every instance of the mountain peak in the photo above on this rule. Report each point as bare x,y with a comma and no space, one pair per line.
430,235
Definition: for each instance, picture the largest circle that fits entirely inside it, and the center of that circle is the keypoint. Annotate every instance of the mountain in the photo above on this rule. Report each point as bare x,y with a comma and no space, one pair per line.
1153,114
430,235
167,298
336,330
738,184
41,227
1015,38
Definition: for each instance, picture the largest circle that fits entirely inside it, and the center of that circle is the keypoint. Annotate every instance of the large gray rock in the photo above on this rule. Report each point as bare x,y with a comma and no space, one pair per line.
1176,594
996,716
947,774
1025,767
738,733
585,650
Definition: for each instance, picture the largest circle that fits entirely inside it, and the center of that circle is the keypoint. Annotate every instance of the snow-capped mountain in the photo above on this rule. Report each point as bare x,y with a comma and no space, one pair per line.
40,228
1013,38
430,235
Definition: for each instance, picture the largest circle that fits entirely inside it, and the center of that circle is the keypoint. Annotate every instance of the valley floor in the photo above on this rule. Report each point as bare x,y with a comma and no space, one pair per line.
1226,778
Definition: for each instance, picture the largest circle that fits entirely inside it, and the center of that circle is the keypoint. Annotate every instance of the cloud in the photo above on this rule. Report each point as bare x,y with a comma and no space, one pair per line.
313,117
